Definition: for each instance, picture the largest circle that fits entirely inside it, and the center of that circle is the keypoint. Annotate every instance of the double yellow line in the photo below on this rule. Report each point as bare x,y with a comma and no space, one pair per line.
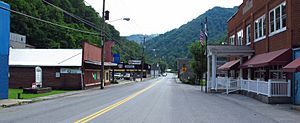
103,111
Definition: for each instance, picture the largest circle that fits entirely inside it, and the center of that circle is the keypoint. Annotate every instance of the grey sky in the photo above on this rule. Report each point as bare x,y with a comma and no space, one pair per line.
156,16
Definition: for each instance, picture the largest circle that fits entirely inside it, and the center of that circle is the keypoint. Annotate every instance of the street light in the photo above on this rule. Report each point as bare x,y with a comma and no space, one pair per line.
126,19
105,16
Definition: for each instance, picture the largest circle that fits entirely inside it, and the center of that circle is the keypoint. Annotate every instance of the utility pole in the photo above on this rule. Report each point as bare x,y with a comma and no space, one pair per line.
102,49
143,45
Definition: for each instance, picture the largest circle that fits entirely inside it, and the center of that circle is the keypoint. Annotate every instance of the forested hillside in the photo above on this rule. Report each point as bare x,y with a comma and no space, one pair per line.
138,38
174,44
43,35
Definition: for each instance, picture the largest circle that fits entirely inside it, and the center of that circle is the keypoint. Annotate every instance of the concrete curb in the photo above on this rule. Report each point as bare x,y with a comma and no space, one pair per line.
16,102
295,107
13,102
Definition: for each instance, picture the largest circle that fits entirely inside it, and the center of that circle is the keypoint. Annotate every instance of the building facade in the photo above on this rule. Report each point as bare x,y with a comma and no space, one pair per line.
68,69
267,26
269,30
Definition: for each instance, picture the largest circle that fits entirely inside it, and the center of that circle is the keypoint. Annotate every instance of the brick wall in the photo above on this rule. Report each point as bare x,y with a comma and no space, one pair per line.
23,77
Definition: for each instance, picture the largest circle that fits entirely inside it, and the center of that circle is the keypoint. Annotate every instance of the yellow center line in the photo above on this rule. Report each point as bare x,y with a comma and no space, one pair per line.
102,111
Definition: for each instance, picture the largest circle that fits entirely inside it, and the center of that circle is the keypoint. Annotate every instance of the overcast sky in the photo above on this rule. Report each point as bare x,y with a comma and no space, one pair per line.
156,16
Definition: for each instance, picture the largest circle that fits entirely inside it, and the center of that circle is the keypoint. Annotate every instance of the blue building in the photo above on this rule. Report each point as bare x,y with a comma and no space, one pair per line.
4,49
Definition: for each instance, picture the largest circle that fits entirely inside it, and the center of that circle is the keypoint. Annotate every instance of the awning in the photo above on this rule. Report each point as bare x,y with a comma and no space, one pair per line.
279,57
294,66
229,65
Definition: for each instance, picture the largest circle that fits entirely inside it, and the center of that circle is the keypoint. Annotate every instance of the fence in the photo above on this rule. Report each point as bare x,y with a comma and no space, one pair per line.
269,88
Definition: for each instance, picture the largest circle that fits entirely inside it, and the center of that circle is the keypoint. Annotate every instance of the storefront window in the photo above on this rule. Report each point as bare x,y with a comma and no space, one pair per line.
259,73
276,73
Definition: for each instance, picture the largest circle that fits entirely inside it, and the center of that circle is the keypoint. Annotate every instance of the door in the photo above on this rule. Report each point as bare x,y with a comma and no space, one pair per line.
296,82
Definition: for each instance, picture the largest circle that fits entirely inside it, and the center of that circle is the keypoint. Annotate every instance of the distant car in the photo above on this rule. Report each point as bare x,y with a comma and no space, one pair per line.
118,76
164,74
127,76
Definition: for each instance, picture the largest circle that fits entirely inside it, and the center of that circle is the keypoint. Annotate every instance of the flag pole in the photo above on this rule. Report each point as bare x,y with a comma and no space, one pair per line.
206,43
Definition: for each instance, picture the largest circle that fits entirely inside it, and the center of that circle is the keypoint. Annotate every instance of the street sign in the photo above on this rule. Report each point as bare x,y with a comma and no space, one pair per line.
116,58
129,66
135,62
184,69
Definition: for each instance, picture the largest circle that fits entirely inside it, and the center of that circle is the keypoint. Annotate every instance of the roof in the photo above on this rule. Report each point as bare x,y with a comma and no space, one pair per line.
45,57
294,66
228,50
229,65
279,57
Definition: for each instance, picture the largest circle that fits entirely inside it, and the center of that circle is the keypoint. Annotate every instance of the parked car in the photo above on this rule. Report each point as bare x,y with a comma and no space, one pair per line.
118,76
127,76
164,74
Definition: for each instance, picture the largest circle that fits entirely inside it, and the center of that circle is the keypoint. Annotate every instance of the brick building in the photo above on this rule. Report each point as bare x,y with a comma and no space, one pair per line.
271,29
61,68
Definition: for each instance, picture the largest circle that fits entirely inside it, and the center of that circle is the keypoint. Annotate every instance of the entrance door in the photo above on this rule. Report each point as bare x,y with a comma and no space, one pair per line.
296,83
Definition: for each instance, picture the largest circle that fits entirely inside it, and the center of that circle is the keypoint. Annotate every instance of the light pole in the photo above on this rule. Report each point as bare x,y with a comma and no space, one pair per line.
104,17
143,45
126,19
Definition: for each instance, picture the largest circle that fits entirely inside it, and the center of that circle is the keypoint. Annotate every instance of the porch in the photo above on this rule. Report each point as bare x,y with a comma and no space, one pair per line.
260,76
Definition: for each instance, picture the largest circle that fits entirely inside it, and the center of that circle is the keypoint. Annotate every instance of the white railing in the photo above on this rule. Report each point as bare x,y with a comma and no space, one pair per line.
255,86
269,88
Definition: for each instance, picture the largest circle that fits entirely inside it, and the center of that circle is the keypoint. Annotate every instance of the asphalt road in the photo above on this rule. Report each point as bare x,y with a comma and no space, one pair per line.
160,100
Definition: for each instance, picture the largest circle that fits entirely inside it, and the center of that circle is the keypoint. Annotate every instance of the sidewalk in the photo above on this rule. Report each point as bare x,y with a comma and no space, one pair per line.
14,102
271,110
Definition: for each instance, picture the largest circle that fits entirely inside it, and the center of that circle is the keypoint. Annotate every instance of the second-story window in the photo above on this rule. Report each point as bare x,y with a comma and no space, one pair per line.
260,28
231,39
239,38
278,19
248,34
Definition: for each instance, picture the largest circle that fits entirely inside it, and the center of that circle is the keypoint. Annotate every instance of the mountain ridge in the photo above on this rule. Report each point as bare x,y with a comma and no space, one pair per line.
174,44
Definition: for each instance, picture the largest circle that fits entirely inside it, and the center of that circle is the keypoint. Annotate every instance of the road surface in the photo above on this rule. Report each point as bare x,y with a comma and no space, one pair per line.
160,100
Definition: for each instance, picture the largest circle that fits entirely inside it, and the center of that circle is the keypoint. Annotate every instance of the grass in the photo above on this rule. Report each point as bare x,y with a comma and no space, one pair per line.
13,94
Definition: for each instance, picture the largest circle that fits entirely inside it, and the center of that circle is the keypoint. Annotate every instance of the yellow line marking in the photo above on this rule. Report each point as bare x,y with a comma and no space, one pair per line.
107,109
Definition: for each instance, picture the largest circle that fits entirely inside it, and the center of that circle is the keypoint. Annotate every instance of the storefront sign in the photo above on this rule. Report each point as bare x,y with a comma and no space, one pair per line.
129,66
135,62
38,76
70,71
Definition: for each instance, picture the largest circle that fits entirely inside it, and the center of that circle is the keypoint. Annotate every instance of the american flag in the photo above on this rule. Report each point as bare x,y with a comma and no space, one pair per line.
201,38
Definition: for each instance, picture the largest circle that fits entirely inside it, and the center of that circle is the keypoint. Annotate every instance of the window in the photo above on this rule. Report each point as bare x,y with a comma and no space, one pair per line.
278,19
260,28
239,38
106,76
276,73
259,73
248,34
231,39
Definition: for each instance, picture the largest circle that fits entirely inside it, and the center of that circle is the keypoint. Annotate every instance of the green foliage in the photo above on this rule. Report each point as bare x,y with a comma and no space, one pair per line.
13,94
128,50
174,44
42,35
198,62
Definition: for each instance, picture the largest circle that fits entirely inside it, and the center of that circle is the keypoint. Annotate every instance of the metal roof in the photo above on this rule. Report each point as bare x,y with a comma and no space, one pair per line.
228,50
45,57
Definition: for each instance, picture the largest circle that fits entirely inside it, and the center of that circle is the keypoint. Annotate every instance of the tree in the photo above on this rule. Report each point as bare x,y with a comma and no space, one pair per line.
198,62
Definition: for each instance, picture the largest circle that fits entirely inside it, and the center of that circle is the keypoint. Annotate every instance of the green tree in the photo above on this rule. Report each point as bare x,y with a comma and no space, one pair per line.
42,35
198,62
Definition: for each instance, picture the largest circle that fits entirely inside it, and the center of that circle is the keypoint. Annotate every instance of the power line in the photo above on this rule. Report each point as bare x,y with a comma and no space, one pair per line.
66,27
48,22
74,16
